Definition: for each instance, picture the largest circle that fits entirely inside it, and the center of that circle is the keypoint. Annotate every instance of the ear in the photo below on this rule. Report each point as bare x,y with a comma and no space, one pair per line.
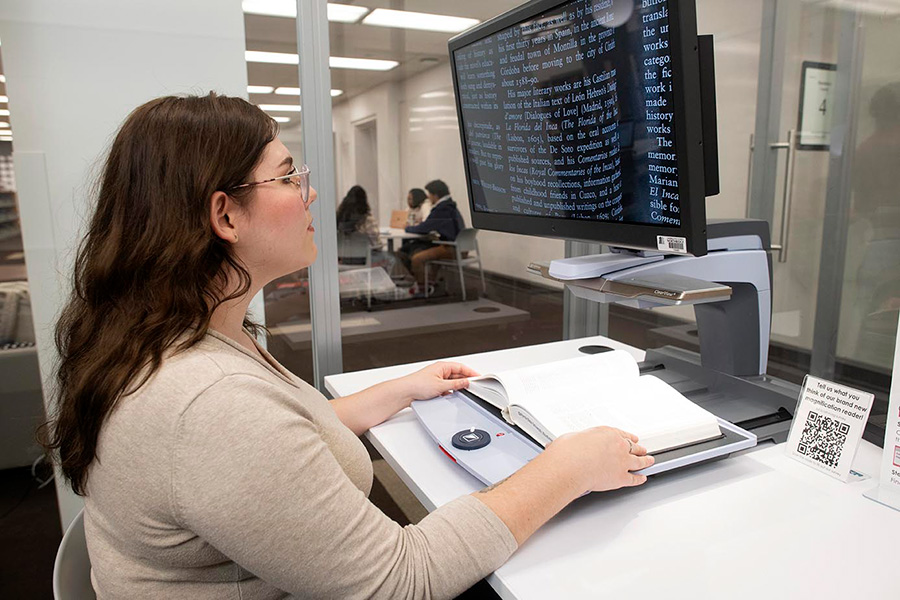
220,207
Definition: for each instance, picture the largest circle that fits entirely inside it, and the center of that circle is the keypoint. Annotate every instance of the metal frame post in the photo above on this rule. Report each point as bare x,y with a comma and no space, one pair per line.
318,152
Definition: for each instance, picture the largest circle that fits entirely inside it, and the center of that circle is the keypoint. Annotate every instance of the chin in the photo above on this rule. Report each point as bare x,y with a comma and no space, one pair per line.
308,258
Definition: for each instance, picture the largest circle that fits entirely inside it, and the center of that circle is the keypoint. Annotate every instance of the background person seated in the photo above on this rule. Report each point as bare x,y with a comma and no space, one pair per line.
415,199
355,214
444,220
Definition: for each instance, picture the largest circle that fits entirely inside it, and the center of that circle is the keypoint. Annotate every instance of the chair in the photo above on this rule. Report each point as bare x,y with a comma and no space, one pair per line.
355,252
465,243
72,569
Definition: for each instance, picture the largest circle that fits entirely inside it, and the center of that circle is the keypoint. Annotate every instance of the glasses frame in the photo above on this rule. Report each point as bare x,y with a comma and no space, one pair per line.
302,173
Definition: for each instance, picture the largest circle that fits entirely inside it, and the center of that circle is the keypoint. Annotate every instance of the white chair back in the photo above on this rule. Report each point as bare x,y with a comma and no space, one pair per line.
72,569
465,240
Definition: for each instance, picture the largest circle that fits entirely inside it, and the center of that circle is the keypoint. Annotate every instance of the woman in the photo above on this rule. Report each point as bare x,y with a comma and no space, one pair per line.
415,199
355,215
208,470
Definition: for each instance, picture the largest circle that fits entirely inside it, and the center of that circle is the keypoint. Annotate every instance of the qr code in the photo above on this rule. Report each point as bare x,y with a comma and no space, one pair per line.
823,439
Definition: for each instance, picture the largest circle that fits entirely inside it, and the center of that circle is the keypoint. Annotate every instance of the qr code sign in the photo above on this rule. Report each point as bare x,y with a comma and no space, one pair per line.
823,439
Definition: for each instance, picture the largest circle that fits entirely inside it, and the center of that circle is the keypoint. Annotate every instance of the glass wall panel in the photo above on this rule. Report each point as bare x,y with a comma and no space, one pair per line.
410,297
29,503
871,284
273,79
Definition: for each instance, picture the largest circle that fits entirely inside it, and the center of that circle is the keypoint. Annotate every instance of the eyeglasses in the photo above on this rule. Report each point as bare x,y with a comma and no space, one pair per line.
300,178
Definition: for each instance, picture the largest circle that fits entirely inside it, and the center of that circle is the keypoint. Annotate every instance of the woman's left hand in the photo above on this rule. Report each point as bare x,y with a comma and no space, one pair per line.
438,379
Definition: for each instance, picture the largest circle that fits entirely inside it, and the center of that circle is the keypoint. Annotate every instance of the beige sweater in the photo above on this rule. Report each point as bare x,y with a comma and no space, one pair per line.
227,477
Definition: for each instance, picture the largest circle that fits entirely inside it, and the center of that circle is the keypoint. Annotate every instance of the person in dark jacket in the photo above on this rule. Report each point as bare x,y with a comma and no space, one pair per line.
445,220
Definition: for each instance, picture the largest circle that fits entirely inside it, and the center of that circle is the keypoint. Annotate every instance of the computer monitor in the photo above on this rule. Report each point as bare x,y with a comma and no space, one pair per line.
584,120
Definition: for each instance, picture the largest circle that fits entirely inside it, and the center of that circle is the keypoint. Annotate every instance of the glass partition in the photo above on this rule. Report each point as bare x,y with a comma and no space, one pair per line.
273,84
870,294
442,289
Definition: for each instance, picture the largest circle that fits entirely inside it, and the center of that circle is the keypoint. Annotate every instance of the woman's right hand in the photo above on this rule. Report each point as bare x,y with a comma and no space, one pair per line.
600,458
593,460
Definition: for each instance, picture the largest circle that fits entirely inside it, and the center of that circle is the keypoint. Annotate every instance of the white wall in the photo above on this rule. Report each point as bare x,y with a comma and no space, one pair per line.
380,104
74,71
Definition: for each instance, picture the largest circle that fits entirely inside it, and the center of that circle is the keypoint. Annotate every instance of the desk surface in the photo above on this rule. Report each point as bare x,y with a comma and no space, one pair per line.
755,525
397,233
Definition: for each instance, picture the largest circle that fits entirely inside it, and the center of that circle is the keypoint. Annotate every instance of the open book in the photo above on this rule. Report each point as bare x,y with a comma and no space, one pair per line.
548,400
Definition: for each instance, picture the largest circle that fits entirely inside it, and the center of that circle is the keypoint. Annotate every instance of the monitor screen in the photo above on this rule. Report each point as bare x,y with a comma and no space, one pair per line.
578,113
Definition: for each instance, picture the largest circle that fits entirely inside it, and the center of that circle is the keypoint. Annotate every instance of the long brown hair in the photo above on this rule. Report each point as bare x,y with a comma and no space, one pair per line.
150,271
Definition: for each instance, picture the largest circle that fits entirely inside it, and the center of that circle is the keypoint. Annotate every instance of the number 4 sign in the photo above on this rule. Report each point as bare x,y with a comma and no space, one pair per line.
816,94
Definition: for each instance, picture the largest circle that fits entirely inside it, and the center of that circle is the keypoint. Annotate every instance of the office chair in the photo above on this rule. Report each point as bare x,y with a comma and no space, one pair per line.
72,569
465,242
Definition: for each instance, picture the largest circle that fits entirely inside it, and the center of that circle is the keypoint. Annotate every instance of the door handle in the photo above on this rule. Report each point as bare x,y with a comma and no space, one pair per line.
782,245
749,177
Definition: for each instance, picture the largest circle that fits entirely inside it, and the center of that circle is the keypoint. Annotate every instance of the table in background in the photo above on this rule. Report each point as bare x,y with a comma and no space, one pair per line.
392,233
758,524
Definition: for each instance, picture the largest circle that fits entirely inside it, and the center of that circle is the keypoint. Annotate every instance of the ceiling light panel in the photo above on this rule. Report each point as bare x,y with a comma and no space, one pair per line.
295,91
435,94
365,64
344,13
281,119
339,13
280,107
335,62
259,89
276,58
271,8
385,17
426,109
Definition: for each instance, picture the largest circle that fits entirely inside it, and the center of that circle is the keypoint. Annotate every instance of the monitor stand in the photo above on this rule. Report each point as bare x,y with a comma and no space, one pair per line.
730,290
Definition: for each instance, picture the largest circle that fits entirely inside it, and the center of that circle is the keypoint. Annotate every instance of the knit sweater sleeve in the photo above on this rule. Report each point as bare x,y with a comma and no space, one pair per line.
252,475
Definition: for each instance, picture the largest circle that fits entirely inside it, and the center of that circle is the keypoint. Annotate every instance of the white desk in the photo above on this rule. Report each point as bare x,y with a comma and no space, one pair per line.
395,233
758,525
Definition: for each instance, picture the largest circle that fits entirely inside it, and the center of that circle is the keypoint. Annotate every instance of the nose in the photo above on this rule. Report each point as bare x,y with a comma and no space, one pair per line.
313,196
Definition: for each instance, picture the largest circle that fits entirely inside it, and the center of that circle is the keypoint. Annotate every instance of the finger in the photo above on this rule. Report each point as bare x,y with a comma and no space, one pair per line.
451,385
454,370
457,384
628,436
638,450
635,479
636,463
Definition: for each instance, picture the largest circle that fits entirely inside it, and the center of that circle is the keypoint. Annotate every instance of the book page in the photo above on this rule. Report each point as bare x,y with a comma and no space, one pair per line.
647,407
489,389
532,384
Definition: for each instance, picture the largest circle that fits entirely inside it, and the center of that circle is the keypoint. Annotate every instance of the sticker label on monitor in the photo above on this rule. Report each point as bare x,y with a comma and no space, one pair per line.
671,244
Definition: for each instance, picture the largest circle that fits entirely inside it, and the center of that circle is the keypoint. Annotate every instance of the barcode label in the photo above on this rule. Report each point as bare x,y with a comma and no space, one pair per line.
671,244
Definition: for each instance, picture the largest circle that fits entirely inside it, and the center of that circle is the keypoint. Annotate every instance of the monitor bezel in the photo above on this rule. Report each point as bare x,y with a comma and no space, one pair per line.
688,144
